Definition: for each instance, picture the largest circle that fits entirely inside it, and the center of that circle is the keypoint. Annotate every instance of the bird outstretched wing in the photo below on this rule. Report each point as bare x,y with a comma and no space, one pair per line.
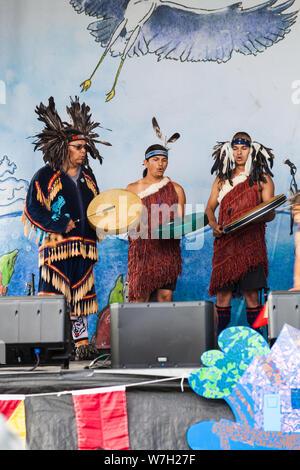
101,8
109,12
172,33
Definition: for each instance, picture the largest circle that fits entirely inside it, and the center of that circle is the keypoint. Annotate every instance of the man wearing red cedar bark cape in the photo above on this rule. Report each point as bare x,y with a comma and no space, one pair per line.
155,264
240,263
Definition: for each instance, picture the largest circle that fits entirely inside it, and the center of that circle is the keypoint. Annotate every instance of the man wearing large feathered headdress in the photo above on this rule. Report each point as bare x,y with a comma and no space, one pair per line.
55,208
240,263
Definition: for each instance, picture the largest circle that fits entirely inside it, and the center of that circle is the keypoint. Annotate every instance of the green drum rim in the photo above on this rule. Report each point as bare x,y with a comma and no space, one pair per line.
183,225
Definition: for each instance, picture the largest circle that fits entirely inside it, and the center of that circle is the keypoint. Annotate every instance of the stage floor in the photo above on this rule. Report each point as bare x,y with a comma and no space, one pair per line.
84,375
79,366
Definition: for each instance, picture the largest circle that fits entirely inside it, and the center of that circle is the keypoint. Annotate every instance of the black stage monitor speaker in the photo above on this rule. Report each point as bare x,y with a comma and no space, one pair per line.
283,307
160,334
34,328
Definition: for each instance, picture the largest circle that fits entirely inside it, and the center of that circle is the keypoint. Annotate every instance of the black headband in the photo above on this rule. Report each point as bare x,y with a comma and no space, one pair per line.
76,137
240,141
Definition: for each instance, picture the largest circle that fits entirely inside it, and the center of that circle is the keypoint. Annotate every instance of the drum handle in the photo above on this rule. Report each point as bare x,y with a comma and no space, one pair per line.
96,213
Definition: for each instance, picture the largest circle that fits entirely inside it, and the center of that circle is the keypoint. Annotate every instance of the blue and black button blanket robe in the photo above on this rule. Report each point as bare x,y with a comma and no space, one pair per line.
65,260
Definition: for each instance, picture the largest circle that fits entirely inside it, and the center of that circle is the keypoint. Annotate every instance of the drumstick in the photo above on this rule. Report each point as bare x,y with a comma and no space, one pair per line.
97,212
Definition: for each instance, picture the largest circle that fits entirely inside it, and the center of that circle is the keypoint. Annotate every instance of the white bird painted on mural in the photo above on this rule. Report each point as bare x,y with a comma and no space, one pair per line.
180,31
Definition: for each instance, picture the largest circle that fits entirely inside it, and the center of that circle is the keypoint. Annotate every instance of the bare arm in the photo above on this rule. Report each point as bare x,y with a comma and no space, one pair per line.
211,207
131,187
135,187
266,194
181,199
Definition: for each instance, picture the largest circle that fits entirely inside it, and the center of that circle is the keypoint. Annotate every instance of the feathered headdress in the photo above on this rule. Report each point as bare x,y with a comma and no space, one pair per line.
159,134
158,149
80,120
164,139
256,166
54,139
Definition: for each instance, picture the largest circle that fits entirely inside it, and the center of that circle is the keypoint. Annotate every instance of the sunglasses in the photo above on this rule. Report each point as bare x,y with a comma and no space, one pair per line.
79,146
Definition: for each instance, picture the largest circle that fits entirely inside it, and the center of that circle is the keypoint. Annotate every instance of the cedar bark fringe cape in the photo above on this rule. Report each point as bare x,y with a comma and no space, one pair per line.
237,253
153,263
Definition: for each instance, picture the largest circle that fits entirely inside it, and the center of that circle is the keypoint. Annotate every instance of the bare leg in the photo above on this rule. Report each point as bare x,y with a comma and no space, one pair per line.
224,298
145,298
251,297
164,295
253,306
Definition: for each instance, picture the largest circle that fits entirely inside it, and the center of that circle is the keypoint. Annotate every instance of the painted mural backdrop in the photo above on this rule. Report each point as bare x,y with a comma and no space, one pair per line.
205,68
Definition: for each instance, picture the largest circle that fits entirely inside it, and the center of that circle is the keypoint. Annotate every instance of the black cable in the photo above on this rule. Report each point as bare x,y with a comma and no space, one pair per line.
37,354
105,362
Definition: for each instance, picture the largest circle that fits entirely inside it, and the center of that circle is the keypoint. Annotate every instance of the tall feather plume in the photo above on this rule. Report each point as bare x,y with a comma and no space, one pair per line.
159,134
223,165
80,120
173,138
157,129
52,141
260,156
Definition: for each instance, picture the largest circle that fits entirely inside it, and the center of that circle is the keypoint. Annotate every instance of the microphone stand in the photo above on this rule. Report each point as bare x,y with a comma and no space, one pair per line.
293,190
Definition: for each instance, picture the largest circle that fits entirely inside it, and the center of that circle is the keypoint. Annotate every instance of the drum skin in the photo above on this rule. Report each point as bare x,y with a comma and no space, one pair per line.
114,212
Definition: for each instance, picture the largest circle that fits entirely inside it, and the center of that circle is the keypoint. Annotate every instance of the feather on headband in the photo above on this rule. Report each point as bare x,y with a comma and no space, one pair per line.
159,134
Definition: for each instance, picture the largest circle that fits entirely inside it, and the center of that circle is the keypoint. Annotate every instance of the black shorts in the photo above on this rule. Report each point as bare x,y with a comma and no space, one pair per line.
171,286
254,280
